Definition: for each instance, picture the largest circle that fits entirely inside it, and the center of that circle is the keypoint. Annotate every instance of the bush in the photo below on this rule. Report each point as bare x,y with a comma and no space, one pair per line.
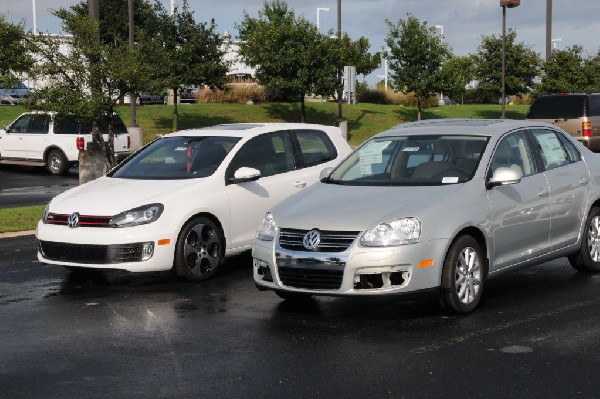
234,93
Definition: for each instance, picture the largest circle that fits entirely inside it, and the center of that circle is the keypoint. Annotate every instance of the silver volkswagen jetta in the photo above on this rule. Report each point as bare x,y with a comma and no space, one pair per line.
435,205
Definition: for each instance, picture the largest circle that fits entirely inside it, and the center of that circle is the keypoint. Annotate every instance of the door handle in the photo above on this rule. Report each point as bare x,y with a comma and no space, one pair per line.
300,184
542,192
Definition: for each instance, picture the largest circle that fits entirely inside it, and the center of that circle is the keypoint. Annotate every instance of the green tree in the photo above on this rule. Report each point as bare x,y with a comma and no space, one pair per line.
114,18
88,78
15,58
566,71
291,57
523,65
356,53
592,70
184,52
417,54
458,71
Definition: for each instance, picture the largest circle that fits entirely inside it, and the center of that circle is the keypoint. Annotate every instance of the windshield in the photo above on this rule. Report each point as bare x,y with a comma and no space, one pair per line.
412,160
177,158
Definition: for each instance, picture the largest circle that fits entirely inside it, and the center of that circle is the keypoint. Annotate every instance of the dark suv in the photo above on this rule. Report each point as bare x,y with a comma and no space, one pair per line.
576,113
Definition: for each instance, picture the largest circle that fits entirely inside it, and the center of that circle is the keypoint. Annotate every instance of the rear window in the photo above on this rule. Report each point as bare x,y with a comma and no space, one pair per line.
555,107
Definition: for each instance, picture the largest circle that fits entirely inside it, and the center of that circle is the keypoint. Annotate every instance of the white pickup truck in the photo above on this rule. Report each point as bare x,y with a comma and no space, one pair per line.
45,139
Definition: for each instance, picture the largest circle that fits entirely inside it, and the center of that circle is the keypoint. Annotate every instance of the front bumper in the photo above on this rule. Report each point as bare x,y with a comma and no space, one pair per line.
358,271
107,248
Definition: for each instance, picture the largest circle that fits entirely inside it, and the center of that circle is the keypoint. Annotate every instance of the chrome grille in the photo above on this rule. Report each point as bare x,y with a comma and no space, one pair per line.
331,241
93,254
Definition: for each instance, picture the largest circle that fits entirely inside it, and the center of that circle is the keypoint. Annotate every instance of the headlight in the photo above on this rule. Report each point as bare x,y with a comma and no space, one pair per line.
45,214
267,228
133,217
395,232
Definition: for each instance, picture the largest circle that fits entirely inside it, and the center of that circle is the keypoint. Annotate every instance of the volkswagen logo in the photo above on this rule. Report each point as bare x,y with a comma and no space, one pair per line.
311,239
73,220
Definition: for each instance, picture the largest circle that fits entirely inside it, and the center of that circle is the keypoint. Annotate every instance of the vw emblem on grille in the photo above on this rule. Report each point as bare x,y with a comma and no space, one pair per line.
311,239
73,220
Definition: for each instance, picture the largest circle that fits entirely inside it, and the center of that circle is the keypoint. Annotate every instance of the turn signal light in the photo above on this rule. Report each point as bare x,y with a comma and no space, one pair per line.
80,142
586,127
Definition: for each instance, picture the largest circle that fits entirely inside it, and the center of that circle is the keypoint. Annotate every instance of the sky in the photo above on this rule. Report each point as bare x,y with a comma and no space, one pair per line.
464,22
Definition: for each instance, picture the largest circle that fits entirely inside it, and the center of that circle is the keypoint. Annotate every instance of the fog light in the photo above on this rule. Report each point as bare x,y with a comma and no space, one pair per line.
263,269
147,250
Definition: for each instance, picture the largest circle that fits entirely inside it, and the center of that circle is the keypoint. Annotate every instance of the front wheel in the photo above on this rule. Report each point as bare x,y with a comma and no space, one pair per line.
57,163
463,276
587,258
200,249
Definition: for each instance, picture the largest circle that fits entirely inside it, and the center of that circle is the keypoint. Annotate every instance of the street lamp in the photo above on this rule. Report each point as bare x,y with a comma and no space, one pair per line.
34,20
319,9
384,56
505,4
554,42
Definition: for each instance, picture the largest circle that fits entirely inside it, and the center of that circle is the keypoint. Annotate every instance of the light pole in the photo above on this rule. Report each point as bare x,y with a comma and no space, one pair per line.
319,9
441,28
384,56
554,42
34,19
505,4
548,29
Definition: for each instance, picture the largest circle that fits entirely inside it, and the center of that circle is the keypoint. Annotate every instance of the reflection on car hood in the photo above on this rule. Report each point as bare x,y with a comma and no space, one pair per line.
356,208
108,196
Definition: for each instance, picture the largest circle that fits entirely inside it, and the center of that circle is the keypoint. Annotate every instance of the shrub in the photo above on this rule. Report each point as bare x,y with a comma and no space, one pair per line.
234,93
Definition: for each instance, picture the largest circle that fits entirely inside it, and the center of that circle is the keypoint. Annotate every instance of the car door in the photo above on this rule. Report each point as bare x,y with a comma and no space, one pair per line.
568,180
36,136
521,211
13,143
272,155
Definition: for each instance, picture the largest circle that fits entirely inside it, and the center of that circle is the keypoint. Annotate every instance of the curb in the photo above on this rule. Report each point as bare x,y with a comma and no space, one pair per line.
17,233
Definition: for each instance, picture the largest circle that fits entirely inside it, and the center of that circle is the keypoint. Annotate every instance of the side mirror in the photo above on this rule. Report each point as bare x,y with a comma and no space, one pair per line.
245,174
7,128
504,176
325,173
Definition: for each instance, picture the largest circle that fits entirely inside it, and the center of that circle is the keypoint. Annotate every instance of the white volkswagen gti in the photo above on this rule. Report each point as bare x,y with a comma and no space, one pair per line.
186,200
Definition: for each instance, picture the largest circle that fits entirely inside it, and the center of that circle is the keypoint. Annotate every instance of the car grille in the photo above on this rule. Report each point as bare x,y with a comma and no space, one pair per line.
323,279
88,253
84,220
331,241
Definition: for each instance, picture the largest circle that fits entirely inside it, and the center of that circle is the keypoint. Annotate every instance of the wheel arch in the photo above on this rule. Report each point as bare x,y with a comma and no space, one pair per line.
479,236
54,147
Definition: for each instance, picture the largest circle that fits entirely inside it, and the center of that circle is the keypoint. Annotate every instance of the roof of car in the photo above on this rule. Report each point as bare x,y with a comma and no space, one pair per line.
245,129
478,127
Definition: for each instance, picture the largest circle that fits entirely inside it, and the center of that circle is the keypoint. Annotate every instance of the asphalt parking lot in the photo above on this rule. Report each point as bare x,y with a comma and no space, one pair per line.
115,334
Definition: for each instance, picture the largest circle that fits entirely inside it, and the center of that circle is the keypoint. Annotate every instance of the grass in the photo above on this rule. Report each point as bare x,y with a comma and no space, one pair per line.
20,219
364,120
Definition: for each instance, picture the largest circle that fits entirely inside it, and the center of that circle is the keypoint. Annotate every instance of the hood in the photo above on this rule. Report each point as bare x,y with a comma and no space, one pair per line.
109,196
355,208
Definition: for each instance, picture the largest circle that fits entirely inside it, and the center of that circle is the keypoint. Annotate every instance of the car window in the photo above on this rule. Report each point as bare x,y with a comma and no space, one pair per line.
31,123
67,125
315,147
412,160
270,153
557,106
177,158
594,100
513,151
572,152
552,151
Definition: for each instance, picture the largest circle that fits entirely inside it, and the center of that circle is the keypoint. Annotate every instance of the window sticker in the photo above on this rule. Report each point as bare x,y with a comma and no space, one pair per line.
450,180
370,155
181,149
411,149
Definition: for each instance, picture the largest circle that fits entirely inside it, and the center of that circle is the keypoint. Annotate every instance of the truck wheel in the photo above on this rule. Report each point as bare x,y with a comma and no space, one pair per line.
57,163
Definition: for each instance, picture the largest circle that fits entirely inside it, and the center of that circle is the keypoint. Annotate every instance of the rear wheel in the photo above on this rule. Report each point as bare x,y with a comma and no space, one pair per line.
56,162
463,276
200,249
587,258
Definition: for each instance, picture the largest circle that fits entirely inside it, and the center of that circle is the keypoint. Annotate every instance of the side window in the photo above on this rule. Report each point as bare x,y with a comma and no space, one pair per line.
21,124
38,123
513,151
66,125
271,154
574,155
553,153
315,147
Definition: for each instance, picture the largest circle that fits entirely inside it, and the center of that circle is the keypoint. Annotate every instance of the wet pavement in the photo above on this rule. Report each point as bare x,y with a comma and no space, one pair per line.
123,335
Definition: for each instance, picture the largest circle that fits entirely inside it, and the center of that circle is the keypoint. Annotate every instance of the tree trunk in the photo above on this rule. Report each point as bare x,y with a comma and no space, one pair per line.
302,108
175,112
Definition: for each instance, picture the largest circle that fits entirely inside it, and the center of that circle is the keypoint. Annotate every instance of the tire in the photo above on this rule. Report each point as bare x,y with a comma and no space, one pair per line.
200,249
463,276
57,163
587,258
